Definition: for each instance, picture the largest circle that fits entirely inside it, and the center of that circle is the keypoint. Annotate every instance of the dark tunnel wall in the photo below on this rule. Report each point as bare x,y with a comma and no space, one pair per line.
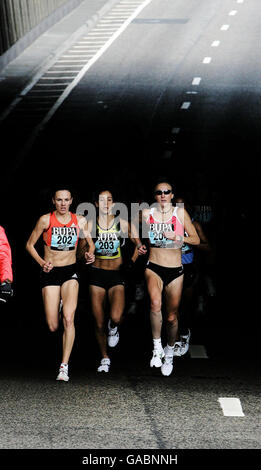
28,19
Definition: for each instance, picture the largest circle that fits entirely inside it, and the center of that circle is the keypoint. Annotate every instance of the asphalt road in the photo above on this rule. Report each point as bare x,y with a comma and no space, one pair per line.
177,93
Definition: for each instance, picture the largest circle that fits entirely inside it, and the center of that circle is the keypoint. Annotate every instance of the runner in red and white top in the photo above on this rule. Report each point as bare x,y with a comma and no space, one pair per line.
59,276
6,271
164,270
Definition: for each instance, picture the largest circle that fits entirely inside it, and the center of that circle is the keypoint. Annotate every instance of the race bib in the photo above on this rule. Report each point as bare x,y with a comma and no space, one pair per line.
64,238
107,244
156,235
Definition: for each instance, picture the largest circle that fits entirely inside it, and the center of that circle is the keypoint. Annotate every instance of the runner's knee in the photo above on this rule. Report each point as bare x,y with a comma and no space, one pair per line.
116,317
52,325
68,320
100,325
172,317
155,305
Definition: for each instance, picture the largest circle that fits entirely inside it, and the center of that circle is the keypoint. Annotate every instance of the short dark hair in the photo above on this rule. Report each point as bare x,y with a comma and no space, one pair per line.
61,188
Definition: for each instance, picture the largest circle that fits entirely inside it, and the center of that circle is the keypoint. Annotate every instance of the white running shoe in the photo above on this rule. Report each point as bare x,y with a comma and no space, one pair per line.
184,343
104,365
113,335
63,373
157,356
177,351
167,365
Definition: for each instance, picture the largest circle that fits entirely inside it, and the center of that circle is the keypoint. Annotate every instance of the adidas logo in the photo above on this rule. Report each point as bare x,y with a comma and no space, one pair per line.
74,276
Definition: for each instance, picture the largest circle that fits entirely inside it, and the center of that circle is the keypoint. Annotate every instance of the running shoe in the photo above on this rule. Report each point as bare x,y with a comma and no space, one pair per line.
167,365
113,335
63,373
177,347
157,356
184,343
104,365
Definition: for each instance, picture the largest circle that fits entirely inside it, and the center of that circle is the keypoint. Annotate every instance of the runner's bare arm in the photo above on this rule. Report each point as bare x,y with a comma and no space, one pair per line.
86,232
192,238
204,243
41,225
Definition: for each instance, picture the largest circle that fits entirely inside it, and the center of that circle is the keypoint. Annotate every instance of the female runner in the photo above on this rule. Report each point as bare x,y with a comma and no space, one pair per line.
59,277
106,278
164,270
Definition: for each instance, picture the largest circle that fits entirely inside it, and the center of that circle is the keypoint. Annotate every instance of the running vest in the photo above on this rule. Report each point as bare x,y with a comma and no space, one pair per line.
109,241
62,237
157,229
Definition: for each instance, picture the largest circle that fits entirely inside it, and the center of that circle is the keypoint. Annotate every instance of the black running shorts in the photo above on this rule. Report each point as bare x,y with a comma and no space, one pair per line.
58,275
167,275
105,278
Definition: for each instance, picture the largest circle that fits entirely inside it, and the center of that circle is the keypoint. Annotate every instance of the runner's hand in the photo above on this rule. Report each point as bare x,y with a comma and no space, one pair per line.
178,239
170,235
90,257
47,266
142,250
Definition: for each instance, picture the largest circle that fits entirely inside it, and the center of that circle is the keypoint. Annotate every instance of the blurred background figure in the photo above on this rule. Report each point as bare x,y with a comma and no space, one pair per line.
192,271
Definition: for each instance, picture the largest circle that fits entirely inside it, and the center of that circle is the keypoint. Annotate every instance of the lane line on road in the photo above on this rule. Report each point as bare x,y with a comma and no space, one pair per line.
231,406
196,81
232,13
207,60
185,105
215,44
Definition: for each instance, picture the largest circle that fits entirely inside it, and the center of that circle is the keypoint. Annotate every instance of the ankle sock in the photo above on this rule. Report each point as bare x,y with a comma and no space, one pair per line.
157,343
169,349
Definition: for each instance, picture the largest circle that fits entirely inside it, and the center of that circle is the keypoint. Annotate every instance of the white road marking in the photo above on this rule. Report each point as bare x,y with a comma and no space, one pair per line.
240,1
59,67
207,60
71,61
225,27
215,43
232,13
196,80
61,71
186,105
197,351
231,406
